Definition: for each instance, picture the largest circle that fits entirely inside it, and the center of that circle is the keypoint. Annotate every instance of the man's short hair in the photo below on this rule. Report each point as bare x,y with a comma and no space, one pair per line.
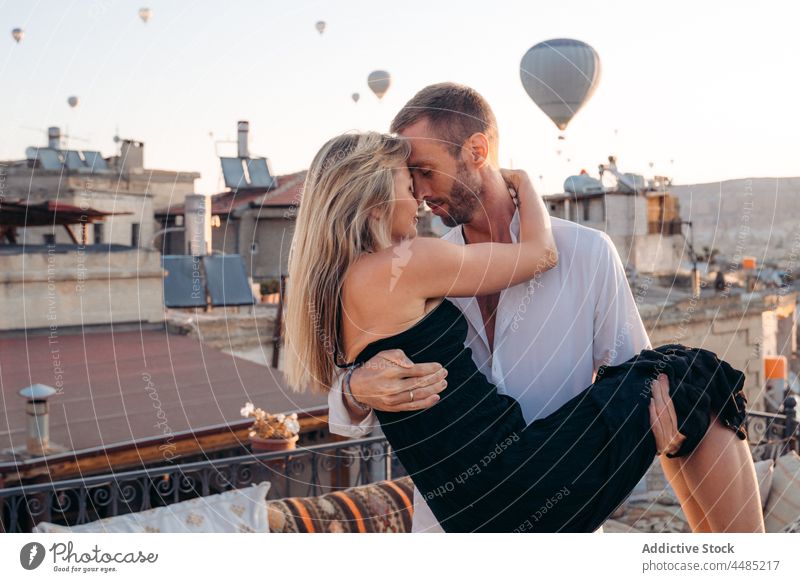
455,112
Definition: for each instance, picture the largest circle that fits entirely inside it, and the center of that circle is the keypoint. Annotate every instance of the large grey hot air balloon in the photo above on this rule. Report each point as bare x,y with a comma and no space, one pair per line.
355,97
145,14
18,34
560,75
379,82
72,101
320,26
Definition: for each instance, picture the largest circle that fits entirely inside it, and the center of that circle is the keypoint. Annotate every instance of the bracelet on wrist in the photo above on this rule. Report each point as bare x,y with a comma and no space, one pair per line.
348,391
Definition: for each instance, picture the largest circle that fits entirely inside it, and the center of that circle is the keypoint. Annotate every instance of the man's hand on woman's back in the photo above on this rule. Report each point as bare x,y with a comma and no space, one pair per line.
390,382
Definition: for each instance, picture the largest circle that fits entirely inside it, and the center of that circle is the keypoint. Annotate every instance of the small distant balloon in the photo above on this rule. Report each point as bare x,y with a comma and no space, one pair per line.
379,82
569,160
320,26
18,34
355,97
540,176
651,165
558,152
145,14
72,101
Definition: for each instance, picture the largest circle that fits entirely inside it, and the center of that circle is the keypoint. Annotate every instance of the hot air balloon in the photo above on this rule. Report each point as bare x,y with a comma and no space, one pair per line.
558,152
651,165
560,76
18,34
379,82
145,14
72,101
355,97
320,26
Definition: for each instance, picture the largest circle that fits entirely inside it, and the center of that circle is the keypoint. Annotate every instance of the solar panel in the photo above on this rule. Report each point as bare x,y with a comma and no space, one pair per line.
184,284
227,281
233,171
95,161
72,160
260,176
48,158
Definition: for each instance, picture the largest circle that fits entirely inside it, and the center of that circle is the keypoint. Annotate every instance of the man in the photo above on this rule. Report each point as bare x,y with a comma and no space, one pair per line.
540,342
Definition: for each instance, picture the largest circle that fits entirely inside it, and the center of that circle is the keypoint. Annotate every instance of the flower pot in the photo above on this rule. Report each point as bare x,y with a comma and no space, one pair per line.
262,445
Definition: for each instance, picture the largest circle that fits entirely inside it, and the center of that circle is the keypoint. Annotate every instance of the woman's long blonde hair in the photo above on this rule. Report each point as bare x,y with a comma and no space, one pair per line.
345,211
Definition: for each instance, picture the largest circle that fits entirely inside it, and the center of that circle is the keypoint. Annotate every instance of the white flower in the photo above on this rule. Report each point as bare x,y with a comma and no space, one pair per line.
280,417
292,426
247,410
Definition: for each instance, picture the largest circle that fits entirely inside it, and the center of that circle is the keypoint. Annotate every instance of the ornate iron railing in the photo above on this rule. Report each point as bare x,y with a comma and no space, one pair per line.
772,435
302,472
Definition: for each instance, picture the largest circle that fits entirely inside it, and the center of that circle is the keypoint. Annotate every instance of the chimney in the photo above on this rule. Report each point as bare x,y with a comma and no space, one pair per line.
243,128
38,441
131,157
54,138
197,221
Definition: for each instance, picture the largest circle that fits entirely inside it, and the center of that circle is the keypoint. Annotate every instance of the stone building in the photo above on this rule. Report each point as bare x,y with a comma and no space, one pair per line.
119,184
642,218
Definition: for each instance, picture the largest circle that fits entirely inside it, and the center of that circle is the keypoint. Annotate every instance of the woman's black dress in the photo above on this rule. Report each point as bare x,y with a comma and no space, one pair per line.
481,467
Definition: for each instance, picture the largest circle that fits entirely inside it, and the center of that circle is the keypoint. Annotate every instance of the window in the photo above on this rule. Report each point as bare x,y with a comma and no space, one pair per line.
585,204
50,238
135,234
98,233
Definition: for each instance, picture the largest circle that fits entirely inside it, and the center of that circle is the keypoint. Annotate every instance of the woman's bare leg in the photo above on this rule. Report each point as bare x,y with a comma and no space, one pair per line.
691,508
720,477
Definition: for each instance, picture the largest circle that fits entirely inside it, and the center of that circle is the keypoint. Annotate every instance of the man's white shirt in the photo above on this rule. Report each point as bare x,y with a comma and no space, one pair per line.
551,333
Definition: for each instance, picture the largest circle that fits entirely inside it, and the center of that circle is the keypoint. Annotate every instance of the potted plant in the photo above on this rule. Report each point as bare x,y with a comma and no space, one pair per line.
271,432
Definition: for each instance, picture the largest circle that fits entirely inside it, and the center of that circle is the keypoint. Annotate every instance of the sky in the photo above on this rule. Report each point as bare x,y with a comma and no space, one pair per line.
713,86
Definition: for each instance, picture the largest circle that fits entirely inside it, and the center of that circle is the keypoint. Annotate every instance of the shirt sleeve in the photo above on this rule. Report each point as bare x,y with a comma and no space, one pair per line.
619,333
339,421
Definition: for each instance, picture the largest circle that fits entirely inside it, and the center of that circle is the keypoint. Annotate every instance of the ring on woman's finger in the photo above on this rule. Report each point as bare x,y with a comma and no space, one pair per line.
411,394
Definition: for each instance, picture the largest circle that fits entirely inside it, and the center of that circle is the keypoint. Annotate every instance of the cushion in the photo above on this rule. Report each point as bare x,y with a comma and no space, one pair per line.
783,506
386,506
238,510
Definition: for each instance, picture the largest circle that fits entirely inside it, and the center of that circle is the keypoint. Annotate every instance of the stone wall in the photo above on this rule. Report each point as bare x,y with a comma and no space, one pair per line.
51,287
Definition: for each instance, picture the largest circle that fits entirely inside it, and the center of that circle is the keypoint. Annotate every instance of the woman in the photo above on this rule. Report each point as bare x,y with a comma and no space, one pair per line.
361,283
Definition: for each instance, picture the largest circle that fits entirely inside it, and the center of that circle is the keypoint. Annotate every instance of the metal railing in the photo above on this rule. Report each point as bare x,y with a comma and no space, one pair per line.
298,473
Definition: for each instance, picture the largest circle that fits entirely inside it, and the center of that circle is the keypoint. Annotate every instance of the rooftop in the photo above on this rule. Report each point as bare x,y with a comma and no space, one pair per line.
288,193
118,387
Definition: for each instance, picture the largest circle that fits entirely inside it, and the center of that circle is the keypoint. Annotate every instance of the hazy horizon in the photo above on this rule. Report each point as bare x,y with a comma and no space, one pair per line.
684,81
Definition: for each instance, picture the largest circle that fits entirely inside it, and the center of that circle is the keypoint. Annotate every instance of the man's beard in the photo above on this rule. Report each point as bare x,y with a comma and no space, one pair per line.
464,197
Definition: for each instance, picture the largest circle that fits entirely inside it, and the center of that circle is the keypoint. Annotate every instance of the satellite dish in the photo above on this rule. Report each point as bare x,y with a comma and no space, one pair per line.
355,97
560,76
18,34
320,26
379,82
145,14
72,101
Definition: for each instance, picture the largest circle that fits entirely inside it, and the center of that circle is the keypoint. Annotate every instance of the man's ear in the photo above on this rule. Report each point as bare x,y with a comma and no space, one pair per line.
477,149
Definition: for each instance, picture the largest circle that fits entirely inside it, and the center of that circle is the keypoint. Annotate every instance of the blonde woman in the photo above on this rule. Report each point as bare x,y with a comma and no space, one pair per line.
361,282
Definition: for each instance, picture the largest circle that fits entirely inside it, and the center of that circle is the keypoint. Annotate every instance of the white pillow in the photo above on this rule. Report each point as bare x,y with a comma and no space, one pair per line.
238,510
783,506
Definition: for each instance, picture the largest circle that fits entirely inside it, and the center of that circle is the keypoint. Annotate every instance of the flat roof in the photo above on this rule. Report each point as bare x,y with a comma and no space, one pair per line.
122,386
